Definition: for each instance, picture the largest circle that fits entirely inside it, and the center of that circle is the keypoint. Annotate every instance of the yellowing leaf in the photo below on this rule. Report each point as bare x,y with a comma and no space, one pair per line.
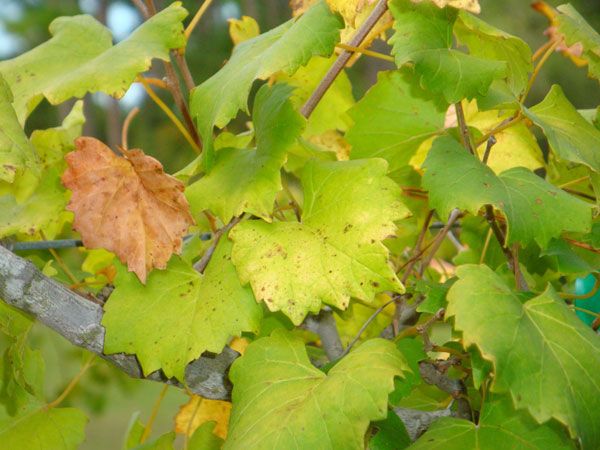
349,9
126,205
200,410
241,30
239,344
469,5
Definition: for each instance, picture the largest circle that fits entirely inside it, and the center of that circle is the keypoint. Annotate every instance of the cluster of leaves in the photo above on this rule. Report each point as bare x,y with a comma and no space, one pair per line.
331,210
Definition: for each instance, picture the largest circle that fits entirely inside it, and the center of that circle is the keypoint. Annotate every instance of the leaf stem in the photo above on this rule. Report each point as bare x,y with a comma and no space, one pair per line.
454,216
156,82
153,414
503,126
200,266
72,383
125,129
590,294
537,69
190,28
465,134
366,52
169,114
486,245
339,64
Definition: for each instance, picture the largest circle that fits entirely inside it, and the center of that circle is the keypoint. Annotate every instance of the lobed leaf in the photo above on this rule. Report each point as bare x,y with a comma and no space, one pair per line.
179,313
126,205
54,71
280,399
499,426
335,252
534,208
542,353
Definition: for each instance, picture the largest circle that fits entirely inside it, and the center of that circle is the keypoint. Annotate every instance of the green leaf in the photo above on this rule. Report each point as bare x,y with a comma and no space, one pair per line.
499,426
391,434
244,180
204,439
457,75
285,48
56,429
533,207
542,353
44,208
419,27
56,71
335,252
576,30
280,399
330,113
488,42
19,163
179,314
393,118
164,442
423,36
571,137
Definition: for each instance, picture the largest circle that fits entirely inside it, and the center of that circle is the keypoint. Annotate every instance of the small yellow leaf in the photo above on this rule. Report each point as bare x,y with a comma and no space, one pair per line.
241,30
239,344
199,410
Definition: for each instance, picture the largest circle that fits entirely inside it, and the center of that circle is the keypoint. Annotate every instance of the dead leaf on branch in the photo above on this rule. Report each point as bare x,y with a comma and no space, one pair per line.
127,205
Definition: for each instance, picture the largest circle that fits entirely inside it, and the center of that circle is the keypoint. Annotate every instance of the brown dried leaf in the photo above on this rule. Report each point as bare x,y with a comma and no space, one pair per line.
127,205
200,410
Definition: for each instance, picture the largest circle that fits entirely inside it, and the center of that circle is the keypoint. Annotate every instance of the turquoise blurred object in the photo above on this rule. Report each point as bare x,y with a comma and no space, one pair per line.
582,287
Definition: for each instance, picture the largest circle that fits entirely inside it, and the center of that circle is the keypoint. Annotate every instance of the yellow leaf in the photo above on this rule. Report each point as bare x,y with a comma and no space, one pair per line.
241,30
469,5
199,410
239,344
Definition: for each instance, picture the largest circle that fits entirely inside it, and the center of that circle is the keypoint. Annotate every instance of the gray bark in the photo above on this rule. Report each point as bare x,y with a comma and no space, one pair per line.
78,319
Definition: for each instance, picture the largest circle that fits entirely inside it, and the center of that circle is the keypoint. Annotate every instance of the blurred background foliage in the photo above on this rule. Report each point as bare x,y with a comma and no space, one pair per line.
109,397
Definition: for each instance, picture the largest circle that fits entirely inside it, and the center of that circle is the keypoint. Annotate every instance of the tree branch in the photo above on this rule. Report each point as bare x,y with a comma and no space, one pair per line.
324,325
78,320
342,60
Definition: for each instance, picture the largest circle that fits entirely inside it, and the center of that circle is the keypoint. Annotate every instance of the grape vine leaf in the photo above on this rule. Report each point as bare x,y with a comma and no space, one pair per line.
571,137
126,205
245,180
499,425
285,48
552,372
330,113
488,42
423,35
241,30
179,313
534,208
19,164
204,438
335,252
417,116
349,9
53,70
280,398
56,428
44,209
576,30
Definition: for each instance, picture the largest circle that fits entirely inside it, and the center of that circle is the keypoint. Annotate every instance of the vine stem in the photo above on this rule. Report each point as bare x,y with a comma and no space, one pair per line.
339,64
366,52
72,383
190,28
465,135
537,70
169,114
125,129
154,413
200,266
454,215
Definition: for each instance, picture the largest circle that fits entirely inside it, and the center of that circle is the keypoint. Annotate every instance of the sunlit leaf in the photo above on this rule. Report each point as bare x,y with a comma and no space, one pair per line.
280,399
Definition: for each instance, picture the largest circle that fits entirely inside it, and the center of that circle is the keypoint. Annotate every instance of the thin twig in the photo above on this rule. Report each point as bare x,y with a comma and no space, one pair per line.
197,17
570,297
583,245
507,123
339,64
366,325
156,82
537,70
417,248
72,384
184,69
200,266
170,115
125,129
488,149
454,215
155,408
366,52
142,8
465,134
